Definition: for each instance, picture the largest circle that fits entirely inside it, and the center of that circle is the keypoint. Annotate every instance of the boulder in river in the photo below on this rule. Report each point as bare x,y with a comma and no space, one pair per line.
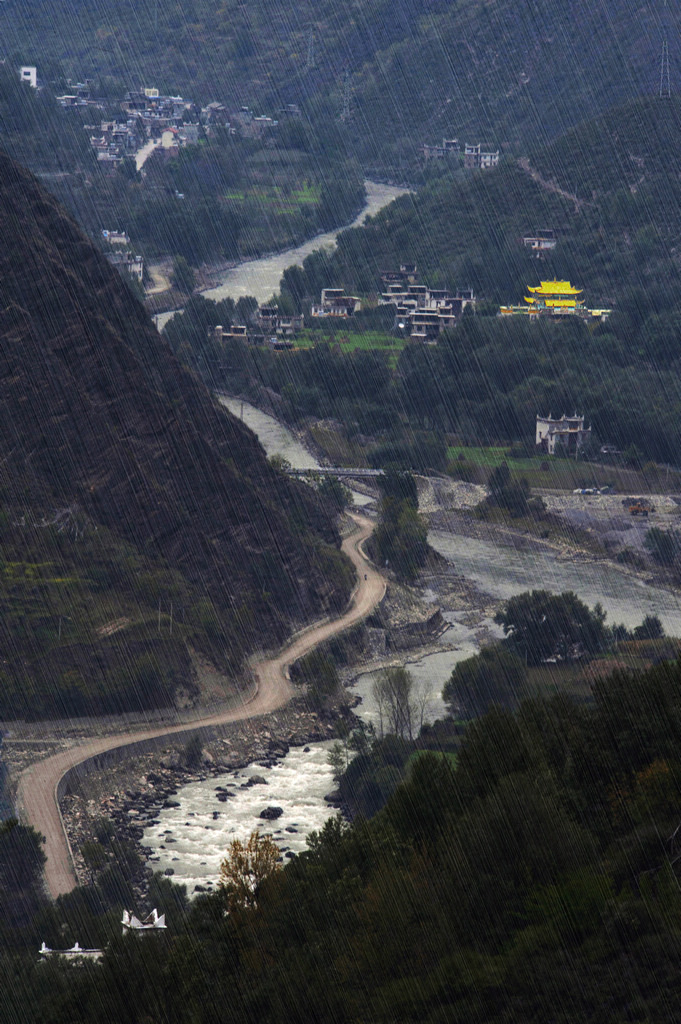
256,780
271,813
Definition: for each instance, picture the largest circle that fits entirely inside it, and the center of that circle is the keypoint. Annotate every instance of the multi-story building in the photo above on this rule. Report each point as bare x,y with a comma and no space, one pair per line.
568,433
480,156
272,322
449,148
133,265
335,302
427,312
554,299
543,241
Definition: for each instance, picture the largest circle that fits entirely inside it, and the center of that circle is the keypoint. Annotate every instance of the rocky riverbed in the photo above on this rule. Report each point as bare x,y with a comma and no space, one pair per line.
131,794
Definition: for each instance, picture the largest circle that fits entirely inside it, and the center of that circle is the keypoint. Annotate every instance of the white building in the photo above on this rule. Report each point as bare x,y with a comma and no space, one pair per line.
29,74
115,237
155,922
477,156
540,243
567,433
335,302
76,953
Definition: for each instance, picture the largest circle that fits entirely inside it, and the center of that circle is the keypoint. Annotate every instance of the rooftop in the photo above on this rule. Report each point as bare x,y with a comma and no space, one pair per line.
555,288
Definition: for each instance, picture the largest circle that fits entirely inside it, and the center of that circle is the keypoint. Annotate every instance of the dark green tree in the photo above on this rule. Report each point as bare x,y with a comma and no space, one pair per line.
540,625
183,275
650,629
495,676
662,544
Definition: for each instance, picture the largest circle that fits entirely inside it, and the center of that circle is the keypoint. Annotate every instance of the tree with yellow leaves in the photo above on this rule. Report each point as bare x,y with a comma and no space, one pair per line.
245,868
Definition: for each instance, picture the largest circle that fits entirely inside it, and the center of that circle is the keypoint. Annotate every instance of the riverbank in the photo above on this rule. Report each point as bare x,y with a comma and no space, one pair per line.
42,784
131,794
260,276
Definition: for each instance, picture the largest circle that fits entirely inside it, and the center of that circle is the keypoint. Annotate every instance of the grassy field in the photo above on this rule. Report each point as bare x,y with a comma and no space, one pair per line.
549,472
577,678
337,448
281,200
350,342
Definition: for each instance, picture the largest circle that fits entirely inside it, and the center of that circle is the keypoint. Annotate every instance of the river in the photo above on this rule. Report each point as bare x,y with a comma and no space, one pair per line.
191,840
261,277
277,439
503,571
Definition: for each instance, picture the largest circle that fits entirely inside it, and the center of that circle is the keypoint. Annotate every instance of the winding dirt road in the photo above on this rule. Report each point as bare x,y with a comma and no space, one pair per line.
37,799
550,186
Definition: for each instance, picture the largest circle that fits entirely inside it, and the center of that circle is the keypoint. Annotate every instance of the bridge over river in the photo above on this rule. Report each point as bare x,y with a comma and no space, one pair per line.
335,471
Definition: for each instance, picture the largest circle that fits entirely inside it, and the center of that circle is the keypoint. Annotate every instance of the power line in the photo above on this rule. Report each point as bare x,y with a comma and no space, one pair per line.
310,64
665,86
345,115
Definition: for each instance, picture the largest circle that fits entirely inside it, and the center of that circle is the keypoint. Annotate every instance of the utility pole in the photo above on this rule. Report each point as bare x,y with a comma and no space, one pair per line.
345,116
665,86
310,64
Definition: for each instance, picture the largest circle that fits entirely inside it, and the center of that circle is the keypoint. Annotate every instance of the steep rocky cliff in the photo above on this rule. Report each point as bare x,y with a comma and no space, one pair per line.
97,415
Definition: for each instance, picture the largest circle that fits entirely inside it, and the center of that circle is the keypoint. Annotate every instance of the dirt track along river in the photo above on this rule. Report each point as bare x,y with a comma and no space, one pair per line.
37,790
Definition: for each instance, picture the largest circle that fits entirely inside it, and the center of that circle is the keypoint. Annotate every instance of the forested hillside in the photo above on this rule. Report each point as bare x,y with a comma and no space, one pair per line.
621,231
512,73
537,880
618,239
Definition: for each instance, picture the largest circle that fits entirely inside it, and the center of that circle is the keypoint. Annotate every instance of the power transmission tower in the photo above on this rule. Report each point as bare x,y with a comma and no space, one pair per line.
310,50
345,116
665,86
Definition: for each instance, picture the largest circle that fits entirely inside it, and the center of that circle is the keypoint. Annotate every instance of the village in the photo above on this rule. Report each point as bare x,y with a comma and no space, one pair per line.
148,116
421,313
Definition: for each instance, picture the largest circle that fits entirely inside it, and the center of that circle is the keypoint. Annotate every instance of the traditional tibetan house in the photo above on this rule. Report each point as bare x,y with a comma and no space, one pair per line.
567,433
155,922
76,954
554,299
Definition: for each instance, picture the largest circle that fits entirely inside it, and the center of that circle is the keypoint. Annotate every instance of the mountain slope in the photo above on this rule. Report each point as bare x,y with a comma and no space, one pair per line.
97,416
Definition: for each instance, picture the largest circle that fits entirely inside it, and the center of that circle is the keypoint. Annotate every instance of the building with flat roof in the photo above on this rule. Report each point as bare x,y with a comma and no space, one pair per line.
479,156
543,241
334,302
29,74
567,433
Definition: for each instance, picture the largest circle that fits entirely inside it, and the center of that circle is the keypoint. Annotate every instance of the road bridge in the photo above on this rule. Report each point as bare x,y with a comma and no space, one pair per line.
336,471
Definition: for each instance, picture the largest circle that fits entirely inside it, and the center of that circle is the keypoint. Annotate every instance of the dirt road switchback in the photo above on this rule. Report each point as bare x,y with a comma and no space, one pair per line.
37,789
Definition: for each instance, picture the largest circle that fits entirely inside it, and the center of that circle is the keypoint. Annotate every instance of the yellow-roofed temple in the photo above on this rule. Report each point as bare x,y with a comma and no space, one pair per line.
555,299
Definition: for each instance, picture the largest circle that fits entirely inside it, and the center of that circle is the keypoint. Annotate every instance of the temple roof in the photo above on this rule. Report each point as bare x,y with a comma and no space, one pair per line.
555,288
